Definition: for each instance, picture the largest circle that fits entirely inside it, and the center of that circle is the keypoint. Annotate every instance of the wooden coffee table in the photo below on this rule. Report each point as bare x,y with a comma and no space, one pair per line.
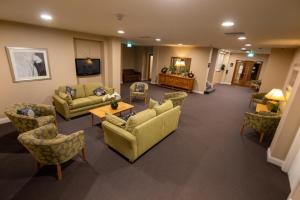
101,111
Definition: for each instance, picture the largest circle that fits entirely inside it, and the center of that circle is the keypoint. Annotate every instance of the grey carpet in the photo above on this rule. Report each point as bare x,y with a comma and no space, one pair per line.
205,158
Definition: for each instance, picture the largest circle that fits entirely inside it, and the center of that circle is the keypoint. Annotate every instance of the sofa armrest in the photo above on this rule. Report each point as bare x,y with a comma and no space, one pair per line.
120,139
61,106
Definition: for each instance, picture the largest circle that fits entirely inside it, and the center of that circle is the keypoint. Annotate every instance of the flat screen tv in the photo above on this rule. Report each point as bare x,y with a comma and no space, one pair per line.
86,67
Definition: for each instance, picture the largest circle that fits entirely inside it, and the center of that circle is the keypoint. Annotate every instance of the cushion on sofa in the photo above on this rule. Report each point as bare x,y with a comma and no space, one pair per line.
80,93
139,118
81,102
90,87
152,103
66,97
115,120
167,105
96,99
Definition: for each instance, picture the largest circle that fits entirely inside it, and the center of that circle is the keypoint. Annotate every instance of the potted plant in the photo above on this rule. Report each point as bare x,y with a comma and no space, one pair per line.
114,103
172,69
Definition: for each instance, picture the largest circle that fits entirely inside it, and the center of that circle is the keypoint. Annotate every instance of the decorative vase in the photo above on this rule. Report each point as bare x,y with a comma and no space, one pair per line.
114,105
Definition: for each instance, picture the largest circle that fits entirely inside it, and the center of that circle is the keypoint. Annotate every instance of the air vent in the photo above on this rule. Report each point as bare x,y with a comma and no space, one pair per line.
235,33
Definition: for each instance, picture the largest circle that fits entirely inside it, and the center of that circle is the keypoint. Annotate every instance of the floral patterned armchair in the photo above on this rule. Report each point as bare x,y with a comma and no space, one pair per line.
45,115
258,98
265,123
177,98
50,148
134,93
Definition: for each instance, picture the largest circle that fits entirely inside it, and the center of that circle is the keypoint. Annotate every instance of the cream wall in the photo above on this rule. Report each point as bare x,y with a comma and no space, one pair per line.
199,66
128,57
277,69
60,46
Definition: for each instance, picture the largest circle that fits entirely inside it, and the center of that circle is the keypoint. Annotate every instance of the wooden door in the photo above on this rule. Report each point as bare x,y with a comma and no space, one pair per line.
245,71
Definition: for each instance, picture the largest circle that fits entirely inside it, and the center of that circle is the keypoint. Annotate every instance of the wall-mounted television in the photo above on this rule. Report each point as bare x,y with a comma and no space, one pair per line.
87,66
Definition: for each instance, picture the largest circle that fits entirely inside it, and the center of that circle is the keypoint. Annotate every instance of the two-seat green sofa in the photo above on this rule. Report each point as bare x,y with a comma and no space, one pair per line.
141,131
83,101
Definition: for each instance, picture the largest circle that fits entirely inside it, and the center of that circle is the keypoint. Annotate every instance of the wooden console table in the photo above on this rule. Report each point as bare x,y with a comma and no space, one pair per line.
176,81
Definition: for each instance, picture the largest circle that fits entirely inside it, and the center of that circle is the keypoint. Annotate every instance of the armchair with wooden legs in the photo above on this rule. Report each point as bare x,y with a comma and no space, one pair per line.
49,147
258,98
265,123
139,90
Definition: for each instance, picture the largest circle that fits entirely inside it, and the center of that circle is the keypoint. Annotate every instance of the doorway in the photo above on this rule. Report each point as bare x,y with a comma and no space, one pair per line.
150,65
245,71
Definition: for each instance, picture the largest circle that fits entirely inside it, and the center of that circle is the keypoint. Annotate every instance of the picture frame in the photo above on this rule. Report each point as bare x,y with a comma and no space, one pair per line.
28,64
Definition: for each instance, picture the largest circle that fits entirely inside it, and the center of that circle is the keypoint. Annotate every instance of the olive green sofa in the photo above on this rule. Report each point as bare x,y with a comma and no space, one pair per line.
83,101
141,131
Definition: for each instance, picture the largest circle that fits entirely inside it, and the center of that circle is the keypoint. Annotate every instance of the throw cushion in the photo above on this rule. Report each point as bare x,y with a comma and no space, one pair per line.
126,117
139,118
26,111
139,87
90,87
152,103
115,120
71,91
66,97
99,91
163,107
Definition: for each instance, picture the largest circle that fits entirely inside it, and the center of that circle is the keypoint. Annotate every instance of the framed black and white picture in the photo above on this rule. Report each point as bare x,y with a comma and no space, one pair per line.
28,64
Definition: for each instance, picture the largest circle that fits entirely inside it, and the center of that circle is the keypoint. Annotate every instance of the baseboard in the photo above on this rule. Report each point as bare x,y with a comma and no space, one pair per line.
225,83
198,92
273,160
4,120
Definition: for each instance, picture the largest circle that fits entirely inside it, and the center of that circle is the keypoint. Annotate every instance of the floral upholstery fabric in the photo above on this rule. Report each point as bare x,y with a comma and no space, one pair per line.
177,98
45,114
263,122
48,147
258,98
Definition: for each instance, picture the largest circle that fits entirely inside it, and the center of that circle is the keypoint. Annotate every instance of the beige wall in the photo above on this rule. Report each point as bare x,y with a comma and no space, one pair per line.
128,57
60,46
199,66
290,121
277,69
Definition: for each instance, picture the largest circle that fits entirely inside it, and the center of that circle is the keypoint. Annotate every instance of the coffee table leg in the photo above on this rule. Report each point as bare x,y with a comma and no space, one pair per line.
92,119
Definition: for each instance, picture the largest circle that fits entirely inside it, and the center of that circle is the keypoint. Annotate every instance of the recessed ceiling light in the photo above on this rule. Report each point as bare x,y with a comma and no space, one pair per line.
243,49
242,38
227,24
180,44
121,31
157,39
46,17
248,45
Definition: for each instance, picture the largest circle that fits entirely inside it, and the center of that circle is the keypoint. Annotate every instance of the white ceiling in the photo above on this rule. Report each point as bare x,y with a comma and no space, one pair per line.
267,23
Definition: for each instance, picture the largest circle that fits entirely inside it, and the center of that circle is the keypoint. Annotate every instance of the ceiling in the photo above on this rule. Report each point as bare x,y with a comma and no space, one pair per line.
267,23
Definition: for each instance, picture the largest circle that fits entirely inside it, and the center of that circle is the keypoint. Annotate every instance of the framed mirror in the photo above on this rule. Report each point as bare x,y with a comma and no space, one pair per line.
182,64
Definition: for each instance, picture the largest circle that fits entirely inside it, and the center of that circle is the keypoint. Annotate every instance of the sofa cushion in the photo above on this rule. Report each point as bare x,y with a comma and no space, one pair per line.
71,92
139,118
115,120
163,107
80,92
90,87
96,99
99,91
65,97
152,103
81,102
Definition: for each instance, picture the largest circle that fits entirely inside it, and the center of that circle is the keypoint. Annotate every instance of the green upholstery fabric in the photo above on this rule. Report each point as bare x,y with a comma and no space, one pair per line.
258,98
263,122
115,120
152,103
143,136
45,115
255,84
79,106
177,98
66,97
139,118
48,147
90,87
167,105
134,94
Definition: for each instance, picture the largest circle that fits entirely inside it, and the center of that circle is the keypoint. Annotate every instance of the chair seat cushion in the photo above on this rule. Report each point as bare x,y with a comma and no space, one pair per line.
81,102
43,120
138,94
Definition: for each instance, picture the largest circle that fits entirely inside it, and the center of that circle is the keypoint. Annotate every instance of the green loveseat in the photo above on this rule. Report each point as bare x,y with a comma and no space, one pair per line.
83,101
141,131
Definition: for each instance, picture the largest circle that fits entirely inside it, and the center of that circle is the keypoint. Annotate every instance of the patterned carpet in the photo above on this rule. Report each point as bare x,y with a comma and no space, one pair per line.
205,158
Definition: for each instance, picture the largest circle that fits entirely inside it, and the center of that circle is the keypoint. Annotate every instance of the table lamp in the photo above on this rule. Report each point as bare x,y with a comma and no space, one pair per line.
276,96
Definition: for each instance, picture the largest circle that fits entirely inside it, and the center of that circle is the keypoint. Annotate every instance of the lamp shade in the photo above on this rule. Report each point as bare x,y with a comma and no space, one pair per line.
276,95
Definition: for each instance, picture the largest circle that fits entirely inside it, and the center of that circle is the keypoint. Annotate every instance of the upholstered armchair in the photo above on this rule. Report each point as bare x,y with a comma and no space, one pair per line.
135,93
255,84
48,147
265,123
258,98
177,98
45,114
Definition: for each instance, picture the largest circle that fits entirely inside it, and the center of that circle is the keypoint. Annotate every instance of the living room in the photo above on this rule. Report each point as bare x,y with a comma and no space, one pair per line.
115,104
